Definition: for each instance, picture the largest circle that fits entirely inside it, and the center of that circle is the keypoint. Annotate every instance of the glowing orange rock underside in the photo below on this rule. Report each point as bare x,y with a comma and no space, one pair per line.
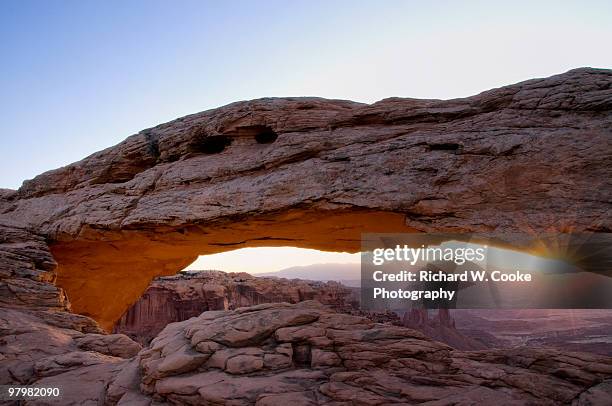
120,265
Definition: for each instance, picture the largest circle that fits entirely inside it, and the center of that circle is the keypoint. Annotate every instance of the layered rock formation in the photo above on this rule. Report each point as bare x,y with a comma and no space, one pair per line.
315,173
527,158
177,298
277,354
41,341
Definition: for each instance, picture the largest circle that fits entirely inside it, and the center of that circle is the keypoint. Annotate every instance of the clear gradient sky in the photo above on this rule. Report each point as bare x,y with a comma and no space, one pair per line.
269,259
79,76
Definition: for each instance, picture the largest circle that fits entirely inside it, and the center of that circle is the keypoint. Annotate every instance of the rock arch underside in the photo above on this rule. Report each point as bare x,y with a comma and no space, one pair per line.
81,243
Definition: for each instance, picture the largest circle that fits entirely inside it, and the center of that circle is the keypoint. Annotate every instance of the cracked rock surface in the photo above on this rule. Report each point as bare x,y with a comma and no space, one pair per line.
306,354
41,341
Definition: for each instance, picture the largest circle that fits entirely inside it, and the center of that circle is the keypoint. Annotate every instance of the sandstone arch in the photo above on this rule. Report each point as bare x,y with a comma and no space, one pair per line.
530,157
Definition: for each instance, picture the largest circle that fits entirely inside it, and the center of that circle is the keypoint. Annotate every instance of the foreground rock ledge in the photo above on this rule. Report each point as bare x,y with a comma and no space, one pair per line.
305,354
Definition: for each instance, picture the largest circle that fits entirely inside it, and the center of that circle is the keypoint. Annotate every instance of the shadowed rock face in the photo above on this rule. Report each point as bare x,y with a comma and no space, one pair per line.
531,157
40,340
177,298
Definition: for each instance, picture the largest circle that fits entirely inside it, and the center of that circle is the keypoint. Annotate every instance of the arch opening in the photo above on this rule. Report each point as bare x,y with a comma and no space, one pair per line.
284,261
262,275
105,271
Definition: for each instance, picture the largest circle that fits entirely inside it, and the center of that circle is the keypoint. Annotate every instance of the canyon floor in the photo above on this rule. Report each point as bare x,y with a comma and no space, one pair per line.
588,330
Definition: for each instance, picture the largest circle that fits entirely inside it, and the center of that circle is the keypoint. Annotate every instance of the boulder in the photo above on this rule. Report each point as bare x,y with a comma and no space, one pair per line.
366,363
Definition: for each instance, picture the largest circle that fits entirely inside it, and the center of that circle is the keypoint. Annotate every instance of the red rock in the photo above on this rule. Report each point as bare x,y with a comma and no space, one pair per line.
367,363
311,173
149,205
177,298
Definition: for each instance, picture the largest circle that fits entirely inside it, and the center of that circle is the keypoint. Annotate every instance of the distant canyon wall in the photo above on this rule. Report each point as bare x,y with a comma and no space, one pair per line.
177,298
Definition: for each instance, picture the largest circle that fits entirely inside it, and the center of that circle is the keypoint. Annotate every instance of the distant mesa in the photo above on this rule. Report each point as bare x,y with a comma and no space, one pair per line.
347,273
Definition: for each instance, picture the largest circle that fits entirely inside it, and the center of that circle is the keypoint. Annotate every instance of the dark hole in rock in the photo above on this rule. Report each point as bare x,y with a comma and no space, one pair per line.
172,157
301,354
266,136
212,144
444,147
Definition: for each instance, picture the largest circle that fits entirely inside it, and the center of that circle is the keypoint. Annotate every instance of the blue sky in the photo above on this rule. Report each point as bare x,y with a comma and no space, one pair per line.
79,76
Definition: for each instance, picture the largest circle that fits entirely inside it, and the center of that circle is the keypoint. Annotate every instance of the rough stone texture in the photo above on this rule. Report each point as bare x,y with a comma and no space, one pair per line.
271,354
222,357
309,173
177,298
28,272
41,342
530,157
